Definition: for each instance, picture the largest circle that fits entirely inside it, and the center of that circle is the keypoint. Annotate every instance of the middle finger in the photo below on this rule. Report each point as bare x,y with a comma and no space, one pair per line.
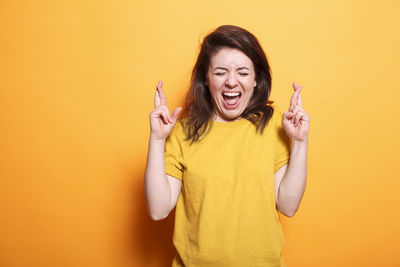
163,99
300,101
293,100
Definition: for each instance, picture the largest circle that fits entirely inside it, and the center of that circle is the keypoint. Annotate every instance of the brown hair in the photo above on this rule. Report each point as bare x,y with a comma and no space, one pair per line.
198,108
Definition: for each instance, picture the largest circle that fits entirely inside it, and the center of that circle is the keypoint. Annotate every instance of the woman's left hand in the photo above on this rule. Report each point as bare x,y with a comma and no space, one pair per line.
296,121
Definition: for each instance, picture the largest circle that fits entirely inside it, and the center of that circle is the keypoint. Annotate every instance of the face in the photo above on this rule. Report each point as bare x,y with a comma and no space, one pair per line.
231,81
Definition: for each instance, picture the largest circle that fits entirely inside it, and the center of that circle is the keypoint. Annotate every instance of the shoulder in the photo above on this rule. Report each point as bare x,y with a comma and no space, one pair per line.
278,125
276,118
276,122
178,132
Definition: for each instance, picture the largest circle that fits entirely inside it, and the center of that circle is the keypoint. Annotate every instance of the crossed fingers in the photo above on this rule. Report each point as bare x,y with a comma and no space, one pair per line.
296,97
160,103
159,99
296,105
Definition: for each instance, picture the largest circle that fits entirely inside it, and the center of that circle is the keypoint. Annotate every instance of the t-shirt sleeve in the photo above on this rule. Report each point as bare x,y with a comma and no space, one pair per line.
173,153
282,149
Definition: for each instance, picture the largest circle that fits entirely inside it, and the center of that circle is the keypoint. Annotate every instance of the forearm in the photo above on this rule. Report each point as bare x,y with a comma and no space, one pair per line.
294,181
156,186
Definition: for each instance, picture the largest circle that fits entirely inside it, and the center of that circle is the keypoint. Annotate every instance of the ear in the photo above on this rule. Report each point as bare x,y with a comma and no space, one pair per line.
255,83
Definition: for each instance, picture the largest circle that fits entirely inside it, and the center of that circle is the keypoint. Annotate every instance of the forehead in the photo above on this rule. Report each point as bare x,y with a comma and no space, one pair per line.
227,57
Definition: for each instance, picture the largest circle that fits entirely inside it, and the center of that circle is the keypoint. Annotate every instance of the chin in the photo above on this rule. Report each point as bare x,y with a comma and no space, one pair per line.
230,116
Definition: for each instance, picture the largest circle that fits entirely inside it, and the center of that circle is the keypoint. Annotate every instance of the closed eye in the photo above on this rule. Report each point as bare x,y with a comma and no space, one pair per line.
244,74
219,73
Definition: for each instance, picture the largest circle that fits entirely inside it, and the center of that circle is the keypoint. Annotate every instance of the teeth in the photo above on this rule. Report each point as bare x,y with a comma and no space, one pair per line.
231,94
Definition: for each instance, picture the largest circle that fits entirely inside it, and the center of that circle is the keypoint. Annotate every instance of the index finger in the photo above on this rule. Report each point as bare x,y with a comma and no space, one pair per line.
156,99
295,96
163,99
293,100
300,101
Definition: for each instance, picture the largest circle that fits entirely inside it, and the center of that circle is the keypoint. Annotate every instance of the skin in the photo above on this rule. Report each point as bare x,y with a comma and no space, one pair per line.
230,70
162,191
291,179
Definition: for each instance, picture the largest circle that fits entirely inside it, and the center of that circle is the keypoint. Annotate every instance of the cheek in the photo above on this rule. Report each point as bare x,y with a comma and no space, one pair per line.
213,90
215,81
216,96
249,86
214,85
249,92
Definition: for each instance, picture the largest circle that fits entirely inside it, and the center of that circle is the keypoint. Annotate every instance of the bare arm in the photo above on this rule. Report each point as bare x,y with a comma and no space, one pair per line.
291,179
161,190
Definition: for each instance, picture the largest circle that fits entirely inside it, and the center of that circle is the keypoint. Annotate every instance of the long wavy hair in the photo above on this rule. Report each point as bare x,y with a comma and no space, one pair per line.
198,109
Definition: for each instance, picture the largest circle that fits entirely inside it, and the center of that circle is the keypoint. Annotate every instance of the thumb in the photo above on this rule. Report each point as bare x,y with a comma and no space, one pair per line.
288,115
175,113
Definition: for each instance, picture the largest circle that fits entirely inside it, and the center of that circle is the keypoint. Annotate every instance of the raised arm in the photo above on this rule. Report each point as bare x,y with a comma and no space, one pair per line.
161,190
291,179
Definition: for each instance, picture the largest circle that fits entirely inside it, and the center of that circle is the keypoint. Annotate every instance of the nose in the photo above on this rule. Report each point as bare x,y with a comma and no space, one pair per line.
231,81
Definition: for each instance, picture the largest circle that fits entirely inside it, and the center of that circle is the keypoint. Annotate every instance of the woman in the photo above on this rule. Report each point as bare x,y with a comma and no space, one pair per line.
225,165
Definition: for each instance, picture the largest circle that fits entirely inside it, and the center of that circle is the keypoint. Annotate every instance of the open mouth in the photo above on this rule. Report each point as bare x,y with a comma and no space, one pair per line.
231,99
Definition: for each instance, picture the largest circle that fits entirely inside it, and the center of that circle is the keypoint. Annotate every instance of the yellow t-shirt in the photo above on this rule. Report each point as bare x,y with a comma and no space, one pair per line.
226,213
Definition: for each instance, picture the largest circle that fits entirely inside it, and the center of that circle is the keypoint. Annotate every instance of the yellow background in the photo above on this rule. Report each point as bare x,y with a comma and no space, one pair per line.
77,81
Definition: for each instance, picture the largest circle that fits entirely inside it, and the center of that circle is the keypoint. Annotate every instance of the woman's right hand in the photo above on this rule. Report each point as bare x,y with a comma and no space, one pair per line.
161,122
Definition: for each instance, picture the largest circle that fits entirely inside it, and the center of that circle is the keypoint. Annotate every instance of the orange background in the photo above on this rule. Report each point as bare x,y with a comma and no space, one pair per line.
77,81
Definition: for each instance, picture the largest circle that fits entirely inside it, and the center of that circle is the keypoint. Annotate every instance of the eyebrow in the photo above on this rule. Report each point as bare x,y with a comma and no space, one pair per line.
222,68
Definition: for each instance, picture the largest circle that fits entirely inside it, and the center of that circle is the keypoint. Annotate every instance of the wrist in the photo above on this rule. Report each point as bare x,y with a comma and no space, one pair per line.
156,140
298,143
